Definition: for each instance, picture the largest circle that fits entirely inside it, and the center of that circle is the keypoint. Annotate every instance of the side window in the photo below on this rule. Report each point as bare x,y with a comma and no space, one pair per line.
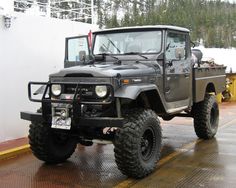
76,47
176,46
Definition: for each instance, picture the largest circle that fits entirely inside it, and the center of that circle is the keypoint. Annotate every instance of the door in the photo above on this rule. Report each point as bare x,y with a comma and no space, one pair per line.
177,68
77,51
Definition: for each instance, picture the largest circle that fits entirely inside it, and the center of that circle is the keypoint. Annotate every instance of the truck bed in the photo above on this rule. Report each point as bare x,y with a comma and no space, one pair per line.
208,79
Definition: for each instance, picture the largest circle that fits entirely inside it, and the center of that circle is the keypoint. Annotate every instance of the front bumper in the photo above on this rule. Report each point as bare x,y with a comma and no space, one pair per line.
101,122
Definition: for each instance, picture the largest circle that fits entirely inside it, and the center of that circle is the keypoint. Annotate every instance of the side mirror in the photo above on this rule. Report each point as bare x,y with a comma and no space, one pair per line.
179,53
82,56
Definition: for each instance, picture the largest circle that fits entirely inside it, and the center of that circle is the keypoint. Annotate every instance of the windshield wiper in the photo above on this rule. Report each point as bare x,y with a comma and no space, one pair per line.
113,45
136,53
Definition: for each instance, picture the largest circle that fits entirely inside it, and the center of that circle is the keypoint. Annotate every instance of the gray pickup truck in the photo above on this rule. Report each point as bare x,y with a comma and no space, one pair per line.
113,89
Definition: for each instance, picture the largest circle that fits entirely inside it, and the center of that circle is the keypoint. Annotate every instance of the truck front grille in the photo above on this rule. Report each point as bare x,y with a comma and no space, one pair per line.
85,91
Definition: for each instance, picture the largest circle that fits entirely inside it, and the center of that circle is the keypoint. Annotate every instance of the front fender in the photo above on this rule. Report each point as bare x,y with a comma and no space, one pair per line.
133,91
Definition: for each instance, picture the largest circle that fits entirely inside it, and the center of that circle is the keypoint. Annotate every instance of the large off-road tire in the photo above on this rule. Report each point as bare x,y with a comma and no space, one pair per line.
49,146
138,143
206,117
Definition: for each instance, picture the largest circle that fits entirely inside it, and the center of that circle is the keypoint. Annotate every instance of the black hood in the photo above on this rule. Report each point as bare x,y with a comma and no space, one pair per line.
110,70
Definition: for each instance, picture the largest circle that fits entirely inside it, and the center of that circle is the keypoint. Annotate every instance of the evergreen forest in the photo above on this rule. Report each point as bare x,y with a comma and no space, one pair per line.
212,22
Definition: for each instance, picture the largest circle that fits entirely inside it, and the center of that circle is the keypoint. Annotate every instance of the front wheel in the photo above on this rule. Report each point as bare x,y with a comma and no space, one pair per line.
50,146
206,117
138,143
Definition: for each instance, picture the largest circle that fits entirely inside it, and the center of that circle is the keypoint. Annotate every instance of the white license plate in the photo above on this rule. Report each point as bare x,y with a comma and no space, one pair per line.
59,123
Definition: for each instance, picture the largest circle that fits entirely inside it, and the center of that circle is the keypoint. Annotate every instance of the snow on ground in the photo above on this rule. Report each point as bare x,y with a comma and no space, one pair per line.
226,57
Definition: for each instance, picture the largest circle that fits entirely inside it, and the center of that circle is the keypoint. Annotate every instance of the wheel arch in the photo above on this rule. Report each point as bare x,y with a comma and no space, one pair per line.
151,99
147,96
210,88
203,89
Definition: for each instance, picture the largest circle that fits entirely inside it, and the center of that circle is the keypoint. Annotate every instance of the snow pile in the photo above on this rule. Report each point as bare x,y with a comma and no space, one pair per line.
225,57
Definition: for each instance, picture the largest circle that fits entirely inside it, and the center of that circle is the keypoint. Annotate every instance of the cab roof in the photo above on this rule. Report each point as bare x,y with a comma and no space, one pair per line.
143,28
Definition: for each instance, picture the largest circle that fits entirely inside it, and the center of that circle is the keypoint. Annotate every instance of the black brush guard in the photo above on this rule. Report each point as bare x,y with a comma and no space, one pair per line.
76,102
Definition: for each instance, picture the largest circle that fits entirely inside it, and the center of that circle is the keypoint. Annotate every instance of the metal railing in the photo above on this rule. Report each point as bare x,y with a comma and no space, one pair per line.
74,10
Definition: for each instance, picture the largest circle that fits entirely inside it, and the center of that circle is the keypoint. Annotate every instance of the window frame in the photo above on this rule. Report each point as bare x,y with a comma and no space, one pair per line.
127,31
66,60
187,52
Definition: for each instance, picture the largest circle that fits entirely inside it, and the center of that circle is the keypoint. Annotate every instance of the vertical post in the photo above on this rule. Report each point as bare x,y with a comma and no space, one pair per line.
92,11
49,9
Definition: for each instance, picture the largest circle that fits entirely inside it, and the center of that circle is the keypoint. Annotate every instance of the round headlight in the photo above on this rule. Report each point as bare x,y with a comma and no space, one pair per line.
101,91
56,89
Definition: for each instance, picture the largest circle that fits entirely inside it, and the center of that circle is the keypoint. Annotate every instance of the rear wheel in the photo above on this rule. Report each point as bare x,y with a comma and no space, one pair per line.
206,117
138,143
50,146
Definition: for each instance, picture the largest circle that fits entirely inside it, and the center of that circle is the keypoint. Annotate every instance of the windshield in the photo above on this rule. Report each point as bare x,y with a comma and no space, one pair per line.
128,42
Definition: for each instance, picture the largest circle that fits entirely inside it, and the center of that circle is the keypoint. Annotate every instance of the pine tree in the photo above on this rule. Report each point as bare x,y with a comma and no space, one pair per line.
213,21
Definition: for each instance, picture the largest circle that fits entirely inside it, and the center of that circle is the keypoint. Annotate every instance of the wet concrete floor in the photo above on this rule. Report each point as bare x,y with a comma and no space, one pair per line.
186,162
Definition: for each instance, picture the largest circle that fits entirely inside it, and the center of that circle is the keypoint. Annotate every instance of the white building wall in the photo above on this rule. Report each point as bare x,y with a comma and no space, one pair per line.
31,49
7,5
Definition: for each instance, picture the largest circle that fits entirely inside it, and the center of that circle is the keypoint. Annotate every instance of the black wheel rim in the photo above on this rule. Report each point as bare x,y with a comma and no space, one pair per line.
147,144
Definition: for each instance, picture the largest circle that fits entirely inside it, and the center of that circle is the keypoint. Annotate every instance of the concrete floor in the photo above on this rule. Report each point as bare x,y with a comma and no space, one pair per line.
186,162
